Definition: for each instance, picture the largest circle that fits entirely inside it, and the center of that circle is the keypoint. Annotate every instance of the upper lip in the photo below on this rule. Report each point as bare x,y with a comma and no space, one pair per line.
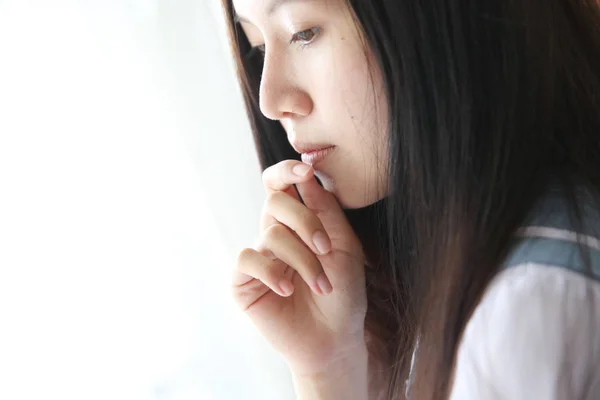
304,148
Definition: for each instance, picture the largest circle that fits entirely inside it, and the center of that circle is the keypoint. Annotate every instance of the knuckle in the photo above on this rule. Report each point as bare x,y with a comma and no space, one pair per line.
274,170
243,257
274,231
275,174
266,220
265,175
272,198
284,165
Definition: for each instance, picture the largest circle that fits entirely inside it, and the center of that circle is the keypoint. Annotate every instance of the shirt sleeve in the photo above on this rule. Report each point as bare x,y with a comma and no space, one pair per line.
535,335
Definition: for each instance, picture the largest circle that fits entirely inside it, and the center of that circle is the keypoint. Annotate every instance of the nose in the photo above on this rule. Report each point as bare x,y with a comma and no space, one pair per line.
280,94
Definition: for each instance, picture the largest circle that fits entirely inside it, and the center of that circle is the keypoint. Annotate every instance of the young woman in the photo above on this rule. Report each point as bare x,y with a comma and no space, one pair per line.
450,246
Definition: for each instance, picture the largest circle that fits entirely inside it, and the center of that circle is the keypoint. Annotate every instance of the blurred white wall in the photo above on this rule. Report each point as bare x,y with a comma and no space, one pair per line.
128,182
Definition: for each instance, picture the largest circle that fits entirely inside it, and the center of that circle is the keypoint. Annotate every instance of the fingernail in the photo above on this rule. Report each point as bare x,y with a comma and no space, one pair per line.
324,284
286,287
322,242
301,169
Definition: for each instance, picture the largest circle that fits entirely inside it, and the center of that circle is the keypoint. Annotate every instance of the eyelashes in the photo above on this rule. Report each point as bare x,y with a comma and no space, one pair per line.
303,39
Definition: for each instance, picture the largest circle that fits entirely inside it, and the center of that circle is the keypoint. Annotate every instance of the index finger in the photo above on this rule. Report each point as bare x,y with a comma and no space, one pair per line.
282,177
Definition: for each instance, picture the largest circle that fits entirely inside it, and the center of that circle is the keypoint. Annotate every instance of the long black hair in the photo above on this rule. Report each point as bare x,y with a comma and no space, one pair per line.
490,102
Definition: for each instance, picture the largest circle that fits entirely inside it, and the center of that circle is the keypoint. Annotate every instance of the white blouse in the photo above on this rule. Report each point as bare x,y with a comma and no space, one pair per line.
535,335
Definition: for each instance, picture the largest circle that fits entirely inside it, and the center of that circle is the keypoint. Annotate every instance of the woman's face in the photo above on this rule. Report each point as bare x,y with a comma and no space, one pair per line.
318,83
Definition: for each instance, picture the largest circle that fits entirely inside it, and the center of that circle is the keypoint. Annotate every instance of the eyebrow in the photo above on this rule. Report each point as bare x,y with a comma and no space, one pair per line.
275,4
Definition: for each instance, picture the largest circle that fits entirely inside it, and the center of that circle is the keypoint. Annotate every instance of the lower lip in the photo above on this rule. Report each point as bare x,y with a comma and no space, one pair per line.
316,156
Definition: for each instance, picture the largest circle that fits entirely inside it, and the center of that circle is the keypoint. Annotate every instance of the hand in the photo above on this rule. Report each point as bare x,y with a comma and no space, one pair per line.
307,297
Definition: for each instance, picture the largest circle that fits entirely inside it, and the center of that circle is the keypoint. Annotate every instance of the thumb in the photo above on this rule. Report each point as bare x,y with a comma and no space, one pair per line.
329,211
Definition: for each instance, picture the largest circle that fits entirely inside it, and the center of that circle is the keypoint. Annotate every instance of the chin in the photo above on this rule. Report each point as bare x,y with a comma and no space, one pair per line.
348,199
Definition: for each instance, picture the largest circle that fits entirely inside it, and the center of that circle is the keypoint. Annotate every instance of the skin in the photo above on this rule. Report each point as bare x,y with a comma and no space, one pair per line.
303,284
320,333
320,83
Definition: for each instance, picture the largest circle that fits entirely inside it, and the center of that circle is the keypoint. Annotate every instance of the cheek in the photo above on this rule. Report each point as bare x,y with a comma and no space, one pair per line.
357,93
348,87
363,107
352,78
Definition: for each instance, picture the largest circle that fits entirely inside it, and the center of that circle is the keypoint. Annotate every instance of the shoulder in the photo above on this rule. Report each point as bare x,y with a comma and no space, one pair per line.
536,332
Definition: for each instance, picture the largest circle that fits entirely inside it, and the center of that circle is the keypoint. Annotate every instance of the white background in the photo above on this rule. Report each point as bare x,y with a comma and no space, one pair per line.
128,182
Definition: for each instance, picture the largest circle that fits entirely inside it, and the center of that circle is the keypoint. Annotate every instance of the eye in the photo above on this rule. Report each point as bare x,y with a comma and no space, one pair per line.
306,37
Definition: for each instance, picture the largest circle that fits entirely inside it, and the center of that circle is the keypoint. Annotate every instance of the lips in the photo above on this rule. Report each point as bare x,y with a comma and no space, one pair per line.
306,148
316,155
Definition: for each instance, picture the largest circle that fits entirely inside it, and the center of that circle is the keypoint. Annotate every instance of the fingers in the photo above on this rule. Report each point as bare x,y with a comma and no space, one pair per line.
290,249
279,254
281,178
252,265
281,208
328,210
291,233
283,175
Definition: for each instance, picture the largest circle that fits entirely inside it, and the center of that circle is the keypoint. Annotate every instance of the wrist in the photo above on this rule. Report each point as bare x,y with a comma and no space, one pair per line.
344,378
